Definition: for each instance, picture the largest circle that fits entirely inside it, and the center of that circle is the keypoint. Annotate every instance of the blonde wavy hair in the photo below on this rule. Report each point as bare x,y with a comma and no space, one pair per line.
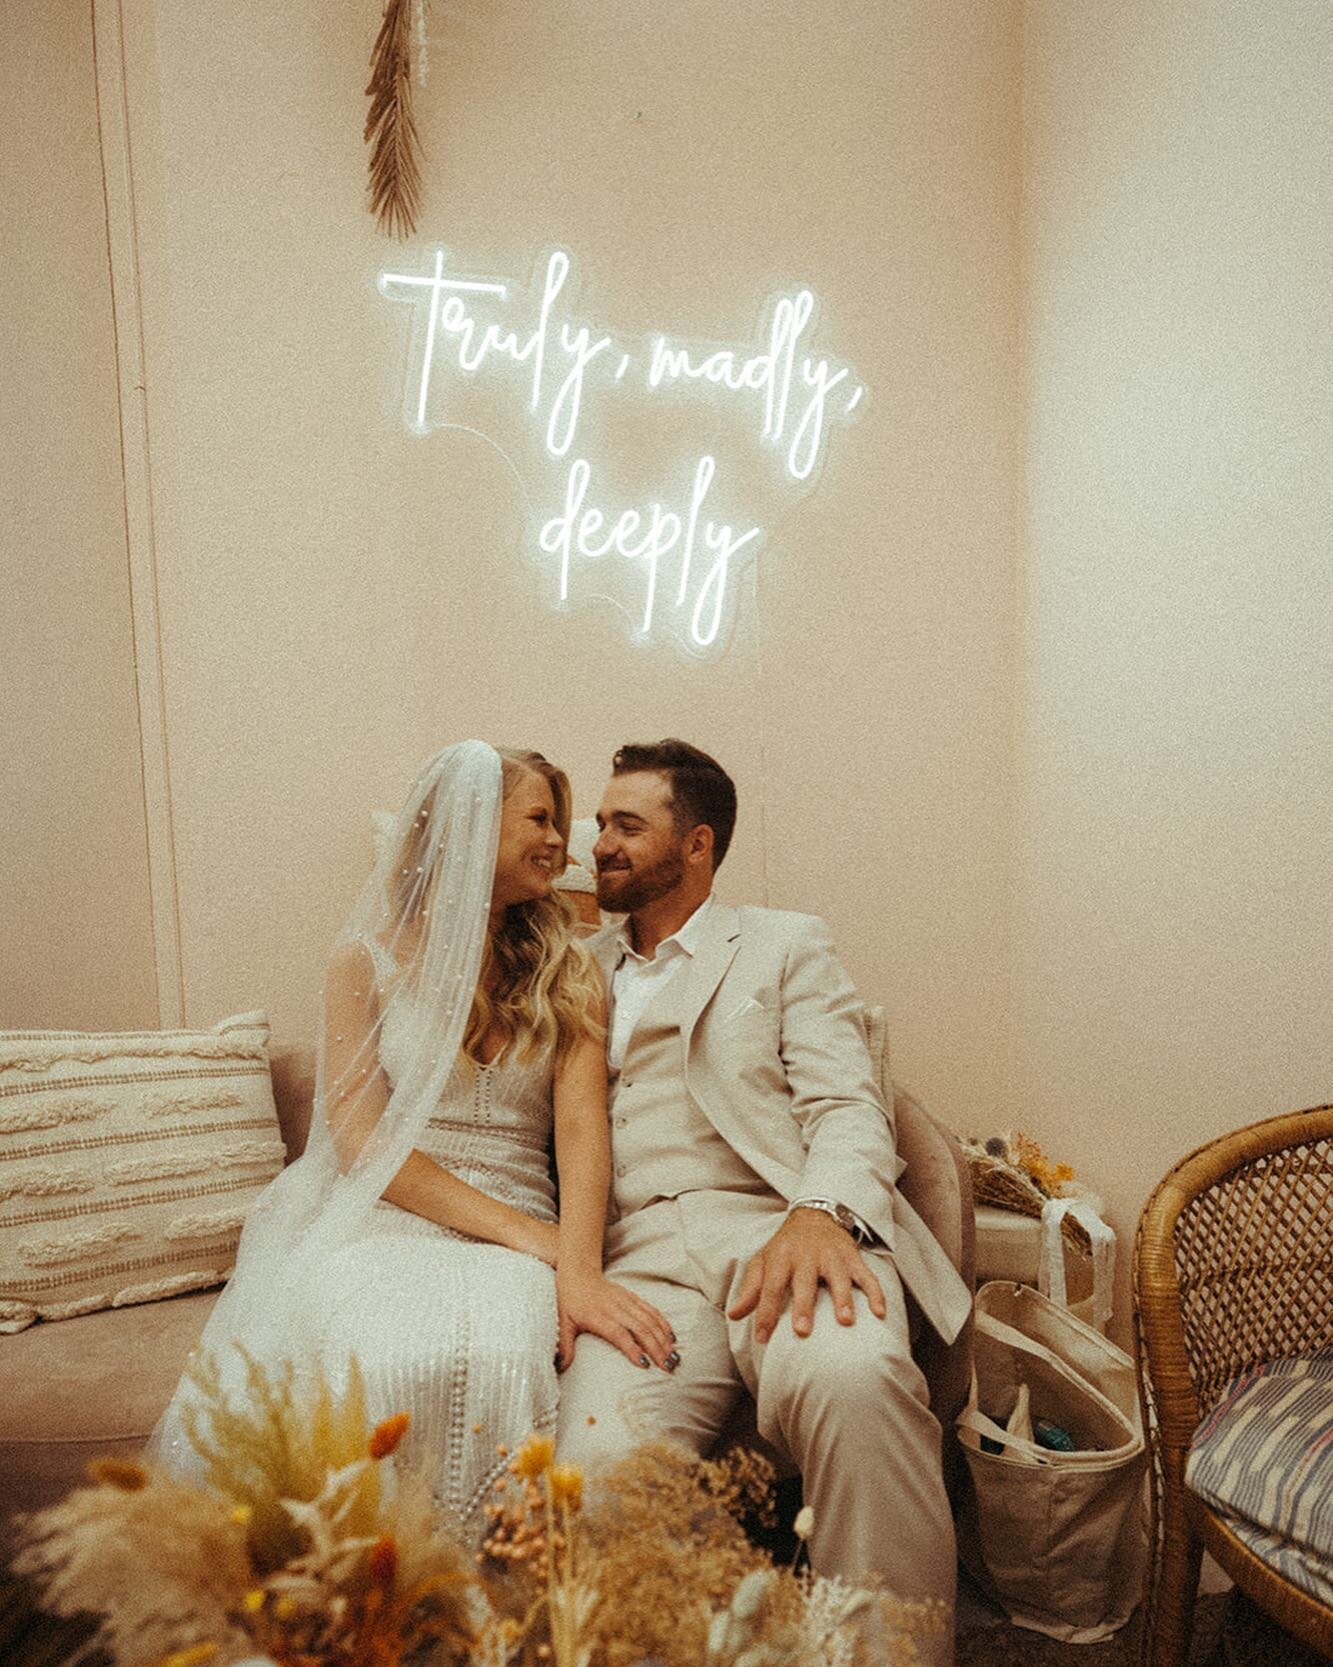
545,991
538,987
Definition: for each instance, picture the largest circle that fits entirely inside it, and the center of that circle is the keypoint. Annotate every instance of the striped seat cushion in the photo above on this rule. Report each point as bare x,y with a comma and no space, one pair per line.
128,1162
1263,1459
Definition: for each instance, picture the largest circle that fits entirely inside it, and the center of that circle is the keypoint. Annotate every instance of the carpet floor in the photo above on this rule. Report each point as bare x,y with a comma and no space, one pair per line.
986,1639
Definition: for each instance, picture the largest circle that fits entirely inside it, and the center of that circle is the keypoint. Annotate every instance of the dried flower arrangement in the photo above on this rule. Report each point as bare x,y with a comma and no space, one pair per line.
302,1547
1011,1172
305,1549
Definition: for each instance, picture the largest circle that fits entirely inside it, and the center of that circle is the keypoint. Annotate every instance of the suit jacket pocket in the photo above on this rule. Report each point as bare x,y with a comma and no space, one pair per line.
749,1048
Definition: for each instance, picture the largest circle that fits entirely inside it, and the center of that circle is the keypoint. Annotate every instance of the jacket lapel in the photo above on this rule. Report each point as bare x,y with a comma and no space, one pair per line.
690,994
685,996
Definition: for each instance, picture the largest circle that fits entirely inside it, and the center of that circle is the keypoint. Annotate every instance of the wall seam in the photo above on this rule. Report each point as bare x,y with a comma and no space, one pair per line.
1019,784
113,129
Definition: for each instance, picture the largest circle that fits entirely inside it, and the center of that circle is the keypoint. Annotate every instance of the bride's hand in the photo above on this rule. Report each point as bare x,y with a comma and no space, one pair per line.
588,1301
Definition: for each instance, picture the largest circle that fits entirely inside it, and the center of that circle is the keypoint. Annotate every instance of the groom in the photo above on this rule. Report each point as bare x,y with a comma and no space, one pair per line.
753,1192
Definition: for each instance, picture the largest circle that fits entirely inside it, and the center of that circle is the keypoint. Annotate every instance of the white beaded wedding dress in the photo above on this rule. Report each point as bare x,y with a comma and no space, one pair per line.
458,1333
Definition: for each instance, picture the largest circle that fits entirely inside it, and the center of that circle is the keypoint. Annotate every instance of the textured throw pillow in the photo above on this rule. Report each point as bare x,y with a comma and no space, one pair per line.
1263,1457
128,1162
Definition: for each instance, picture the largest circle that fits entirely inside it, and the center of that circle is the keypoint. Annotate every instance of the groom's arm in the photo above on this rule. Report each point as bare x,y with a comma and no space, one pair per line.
846,1127
847,1132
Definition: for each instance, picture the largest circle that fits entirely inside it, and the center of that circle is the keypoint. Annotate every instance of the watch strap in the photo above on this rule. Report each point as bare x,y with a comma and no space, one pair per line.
847,1219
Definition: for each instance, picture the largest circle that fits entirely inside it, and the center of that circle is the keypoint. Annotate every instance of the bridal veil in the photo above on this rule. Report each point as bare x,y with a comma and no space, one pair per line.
423,912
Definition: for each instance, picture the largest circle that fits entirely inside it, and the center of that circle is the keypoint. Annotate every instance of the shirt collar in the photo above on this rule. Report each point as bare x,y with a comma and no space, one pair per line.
684,940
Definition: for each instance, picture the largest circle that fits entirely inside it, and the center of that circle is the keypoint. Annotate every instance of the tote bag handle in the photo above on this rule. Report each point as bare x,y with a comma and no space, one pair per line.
1051,1267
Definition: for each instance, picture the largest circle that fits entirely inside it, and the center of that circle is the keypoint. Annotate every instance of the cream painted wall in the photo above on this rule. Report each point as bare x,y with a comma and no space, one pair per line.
74,897
1175,928
1126,889
338,598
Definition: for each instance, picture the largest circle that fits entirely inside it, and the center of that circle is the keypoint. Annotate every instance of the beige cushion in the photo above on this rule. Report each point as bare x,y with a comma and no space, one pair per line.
127,1163
70,1393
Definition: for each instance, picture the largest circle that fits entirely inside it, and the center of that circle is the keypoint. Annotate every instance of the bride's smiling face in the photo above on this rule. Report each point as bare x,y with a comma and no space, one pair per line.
530,846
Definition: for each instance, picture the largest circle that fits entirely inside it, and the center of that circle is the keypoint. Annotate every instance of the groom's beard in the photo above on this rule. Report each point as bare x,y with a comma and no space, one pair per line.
622,890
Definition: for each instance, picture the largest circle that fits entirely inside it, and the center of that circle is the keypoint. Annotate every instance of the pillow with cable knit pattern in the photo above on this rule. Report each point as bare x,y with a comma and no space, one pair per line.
127,1163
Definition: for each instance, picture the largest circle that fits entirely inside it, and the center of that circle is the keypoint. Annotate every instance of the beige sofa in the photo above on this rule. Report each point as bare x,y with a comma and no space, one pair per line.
75,1388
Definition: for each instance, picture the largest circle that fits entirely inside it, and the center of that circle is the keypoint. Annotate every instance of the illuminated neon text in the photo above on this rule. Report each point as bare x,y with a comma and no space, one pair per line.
785,397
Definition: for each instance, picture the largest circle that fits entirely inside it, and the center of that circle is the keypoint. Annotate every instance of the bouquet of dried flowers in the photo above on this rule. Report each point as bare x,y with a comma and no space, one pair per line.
1011,1172
655,1569
305,1549
1018,1152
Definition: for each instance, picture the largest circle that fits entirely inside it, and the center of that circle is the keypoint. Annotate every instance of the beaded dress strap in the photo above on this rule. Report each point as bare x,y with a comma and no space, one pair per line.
385,965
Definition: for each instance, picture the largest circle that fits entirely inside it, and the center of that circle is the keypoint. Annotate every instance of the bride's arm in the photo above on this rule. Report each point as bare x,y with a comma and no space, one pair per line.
588,1301
356,1093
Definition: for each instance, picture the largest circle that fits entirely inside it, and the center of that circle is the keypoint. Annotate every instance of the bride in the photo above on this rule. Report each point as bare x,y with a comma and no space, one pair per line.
463,1034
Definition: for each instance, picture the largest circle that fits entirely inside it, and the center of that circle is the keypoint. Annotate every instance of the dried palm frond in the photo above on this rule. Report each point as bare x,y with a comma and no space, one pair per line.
391,129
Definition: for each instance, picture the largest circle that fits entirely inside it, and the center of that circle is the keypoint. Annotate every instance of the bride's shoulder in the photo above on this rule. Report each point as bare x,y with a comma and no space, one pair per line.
355,962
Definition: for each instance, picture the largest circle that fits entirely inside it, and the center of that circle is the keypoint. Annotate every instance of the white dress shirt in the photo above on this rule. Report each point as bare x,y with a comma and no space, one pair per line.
637,978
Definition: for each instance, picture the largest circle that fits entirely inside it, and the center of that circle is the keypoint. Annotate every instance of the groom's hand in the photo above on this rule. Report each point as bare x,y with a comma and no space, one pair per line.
807,1251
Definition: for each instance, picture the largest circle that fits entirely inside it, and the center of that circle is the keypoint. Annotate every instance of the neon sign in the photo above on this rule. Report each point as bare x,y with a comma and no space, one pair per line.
775,391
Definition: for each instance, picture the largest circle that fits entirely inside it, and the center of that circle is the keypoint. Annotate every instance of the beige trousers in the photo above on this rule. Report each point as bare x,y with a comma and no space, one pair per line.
847,1403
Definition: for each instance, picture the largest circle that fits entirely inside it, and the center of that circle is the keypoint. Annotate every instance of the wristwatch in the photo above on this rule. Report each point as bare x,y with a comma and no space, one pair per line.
844,1217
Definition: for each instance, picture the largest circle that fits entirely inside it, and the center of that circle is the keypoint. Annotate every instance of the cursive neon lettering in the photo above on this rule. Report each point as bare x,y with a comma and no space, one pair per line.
811,426
565,407
646,537
682,560
703,628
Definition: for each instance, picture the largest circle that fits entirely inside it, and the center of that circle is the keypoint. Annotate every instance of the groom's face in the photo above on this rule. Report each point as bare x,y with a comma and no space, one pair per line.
640,856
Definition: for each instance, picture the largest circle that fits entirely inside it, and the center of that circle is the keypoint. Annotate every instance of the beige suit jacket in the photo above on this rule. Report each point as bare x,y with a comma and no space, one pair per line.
775,1057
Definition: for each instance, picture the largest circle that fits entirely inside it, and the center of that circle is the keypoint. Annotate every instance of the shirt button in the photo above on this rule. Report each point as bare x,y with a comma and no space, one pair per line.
620,1122
620,1169
628,1083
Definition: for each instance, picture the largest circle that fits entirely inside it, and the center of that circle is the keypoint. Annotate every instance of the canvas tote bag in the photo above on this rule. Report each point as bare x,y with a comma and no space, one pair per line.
1059,1537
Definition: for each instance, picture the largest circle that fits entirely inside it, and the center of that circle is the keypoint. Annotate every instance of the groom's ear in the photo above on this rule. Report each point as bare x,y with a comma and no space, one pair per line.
699,845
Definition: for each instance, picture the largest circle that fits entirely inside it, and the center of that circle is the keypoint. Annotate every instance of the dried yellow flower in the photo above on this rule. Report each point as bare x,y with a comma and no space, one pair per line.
253,1601
1049,1176
192,1656
567,1486
534,1458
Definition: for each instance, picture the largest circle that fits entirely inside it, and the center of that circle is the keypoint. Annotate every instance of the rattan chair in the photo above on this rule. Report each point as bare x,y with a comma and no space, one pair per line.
1233,1265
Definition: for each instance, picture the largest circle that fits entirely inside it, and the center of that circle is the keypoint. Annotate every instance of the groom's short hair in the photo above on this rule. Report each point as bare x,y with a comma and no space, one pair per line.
700,789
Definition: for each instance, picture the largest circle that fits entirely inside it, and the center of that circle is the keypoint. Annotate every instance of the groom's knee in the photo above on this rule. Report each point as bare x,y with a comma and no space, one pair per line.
839,1380
596,1393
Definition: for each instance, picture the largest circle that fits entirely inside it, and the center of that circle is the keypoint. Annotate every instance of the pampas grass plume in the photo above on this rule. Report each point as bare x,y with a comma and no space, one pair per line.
102,1550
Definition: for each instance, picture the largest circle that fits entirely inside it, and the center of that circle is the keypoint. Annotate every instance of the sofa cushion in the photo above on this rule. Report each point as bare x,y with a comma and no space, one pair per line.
71,1392
127,1163
1263,1459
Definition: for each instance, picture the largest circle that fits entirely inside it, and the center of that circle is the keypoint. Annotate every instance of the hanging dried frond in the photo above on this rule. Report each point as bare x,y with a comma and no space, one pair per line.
391,131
